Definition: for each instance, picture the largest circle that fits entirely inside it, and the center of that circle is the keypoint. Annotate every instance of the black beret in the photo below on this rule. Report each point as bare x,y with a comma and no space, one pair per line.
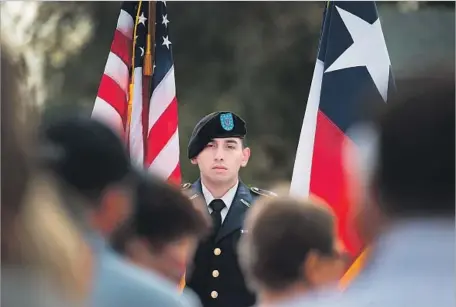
86,154
215,125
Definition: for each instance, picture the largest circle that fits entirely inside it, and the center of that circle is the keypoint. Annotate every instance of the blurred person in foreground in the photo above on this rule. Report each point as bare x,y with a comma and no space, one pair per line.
407,212
164,232
218,147
289,249
39,242
99,183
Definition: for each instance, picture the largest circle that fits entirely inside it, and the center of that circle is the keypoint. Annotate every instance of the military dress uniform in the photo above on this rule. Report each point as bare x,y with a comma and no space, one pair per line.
216,275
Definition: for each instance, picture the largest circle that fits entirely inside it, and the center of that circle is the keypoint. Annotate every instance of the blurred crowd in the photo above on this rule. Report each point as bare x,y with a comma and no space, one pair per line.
82,227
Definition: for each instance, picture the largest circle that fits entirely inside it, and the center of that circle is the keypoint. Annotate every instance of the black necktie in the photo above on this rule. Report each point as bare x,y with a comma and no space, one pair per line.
216,205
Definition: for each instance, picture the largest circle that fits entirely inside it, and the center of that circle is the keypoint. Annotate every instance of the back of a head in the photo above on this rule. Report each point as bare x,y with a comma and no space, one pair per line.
415,172
163,214
282,233
85,154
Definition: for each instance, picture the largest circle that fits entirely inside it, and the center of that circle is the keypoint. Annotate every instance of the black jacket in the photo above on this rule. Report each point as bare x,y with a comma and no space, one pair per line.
216,276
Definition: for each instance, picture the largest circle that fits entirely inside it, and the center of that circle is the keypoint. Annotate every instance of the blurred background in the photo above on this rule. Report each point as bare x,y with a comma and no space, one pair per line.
253,58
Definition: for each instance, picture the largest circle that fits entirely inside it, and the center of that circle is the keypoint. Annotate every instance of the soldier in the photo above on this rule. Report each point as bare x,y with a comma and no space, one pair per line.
217,145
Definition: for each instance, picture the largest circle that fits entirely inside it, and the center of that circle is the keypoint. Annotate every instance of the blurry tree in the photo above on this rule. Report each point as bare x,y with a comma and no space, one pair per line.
76,37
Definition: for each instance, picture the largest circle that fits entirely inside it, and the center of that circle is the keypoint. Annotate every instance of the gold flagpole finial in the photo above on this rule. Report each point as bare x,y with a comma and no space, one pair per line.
149,57
132,82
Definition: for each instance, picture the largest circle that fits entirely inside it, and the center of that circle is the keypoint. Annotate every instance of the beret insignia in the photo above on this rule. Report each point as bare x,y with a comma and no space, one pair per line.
262,192
227,121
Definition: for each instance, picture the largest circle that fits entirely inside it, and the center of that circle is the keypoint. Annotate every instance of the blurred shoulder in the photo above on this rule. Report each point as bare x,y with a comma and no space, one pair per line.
190,298
124,283
257,192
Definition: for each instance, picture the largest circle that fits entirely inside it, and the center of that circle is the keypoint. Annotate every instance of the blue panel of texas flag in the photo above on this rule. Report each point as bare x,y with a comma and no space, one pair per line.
356,61
353,70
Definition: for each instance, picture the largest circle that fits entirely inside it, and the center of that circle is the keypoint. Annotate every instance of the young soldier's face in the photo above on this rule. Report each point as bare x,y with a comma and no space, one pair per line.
221,159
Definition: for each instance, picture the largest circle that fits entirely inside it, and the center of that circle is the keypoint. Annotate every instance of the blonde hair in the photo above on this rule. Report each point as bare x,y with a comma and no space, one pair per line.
50,241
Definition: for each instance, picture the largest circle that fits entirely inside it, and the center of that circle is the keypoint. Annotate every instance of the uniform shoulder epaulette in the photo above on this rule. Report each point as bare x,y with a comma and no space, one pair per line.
186,186
262,192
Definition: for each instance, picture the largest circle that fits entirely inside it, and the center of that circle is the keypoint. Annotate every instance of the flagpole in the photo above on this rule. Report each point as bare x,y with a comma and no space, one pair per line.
356,267
130,96
149,58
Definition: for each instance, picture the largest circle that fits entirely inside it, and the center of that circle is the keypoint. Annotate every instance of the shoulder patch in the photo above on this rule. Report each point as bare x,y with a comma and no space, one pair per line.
186,186
262,192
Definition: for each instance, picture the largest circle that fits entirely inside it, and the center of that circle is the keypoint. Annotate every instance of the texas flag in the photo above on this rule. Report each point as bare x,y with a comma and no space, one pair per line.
352,64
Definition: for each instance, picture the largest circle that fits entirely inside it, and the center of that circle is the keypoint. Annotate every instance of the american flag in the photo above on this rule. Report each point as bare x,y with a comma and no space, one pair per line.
137,93
353,63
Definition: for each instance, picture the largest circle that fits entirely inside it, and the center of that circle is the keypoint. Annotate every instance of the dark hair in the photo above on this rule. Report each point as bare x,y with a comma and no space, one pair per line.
283,233
415,172
163,214
88,156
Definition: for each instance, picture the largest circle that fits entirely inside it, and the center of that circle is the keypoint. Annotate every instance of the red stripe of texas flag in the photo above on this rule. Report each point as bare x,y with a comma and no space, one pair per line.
328,179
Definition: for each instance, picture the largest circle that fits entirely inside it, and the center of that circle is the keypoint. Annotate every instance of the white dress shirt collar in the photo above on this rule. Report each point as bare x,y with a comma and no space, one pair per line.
227,198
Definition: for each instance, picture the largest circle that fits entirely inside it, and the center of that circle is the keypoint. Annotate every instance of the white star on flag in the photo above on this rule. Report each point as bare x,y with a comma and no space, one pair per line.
368,49
142,19
166,42
165,20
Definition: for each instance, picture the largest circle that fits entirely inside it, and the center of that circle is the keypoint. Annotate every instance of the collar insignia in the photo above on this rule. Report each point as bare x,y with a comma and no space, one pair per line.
246,203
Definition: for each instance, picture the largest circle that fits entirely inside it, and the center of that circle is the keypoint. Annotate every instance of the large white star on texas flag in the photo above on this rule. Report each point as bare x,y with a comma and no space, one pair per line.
368,49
